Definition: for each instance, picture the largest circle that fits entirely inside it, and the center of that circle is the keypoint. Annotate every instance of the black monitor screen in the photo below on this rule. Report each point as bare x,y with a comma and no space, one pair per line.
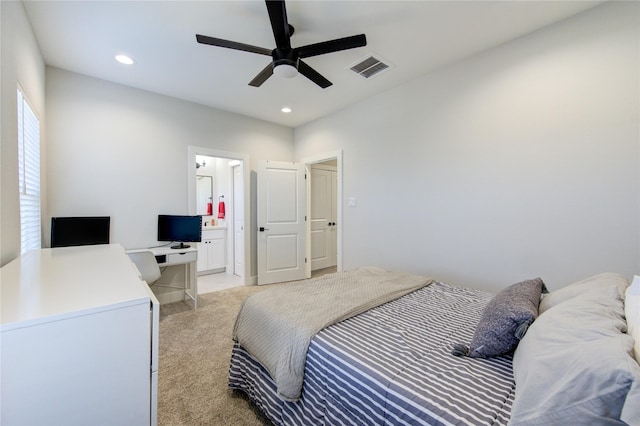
180,229
79,231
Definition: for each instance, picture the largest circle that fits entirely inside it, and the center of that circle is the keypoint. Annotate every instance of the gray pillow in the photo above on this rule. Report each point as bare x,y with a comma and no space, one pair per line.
504,321
575,365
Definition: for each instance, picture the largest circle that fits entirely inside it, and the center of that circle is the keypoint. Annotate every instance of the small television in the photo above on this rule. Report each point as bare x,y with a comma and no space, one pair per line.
179,229
79,231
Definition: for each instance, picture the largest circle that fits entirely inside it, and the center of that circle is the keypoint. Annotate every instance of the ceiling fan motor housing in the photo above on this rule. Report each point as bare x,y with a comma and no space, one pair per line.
285,57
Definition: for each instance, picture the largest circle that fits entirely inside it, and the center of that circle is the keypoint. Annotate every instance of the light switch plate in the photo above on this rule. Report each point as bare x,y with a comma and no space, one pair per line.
352,202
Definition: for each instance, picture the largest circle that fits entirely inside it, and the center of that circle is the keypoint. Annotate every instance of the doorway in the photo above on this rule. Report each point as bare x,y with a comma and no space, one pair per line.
324,229
230,176
322,216
286,177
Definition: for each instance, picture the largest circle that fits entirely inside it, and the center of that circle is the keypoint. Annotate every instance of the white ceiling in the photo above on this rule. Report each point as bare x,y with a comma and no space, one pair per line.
414,36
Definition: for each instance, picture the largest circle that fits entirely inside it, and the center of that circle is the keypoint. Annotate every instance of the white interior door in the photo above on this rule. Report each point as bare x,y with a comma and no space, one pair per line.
238,222
323,218
281,222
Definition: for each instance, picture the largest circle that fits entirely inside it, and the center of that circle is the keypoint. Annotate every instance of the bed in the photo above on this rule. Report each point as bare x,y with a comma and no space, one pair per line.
393,364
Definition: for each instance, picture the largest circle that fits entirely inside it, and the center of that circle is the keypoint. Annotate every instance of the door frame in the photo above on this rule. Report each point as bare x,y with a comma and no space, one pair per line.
232,248
245,164
321,158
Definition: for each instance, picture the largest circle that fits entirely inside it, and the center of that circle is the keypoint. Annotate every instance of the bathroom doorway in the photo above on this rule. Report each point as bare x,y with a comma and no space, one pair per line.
223,214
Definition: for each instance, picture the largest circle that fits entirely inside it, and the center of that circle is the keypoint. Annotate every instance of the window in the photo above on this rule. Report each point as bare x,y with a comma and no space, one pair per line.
29,175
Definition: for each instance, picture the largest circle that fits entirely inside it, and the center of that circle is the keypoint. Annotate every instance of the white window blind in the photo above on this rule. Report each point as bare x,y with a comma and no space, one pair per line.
29,175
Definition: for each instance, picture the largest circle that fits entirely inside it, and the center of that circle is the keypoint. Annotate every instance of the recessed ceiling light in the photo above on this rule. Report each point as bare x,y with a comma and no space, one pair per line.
286,110
124,59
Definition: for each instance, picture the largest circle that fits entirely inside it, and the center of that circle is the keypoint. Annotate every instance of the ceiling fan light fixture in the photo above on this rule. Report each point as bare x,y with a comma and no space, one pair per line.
285,71
124,59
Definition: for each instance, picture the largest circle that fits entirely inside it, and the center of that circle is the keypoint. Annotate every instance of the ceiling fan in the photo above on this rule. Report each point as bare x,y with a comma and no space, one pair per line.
287,60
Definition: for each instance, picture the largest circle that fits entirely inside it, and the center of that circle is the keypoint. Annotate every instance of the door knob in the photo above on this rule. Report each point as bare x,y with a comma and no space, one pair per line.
262,229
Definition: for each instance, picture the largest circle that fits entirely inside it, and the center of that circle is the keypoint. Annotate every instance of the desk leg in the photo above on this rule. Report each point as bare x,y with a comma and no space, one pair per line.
191,283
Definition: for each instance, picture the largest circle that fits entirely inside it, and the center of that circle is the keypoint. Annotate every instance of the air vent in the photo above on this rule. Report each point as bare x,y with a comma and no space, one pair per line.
369,67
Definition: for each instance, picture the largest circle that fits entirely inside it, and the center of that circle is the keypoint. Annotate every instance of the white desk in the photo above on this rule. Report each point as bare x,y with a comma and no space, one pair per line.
166,256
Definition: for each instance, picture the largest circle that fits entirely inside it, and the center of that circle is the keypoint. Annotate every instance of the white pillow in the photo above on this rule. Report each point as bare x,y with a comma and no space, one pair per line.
632,313
575,365
572,290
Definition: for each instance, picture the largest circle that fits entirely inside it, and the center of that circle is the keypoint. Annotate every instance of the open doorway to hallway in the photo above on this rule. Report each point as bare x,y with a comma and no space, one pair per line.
323,215
324,207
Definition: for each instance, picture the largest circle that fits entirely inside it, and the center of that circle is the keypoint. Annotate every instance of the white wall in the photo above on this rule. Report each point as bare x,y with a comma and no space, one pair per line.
519,162
122,152
22,64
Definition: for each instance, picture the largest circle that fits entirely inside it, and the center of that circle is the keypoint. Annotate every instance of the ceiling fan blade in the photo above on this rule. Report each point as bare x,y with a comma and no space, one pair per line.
202,39
336,45
279,24
262,76
313,75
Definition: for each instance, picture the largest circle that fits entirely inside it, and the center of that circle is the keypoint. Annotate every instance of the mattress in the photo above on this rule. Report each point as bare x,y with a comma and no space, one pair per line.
392,365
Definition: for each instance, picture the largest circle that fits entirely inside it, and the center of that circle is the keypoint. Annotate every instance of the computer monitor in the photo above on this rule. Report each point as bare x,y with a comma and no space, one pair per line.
79,231
179,229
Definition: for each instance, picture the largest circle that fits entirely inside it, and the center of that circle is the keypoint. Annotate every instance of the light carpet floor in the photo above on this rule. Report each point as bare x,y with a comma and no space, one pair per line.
195,347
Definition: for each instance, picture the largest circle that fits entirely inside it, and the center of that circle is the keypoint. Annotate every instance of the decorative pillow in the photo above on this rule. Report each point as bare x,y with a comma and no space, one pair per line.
504,321
572,290
632,313
575,366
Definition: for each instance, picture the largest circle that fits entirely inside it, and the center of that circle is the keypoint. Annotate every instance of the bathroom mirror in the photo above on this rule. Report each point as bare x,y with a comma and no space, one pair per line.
204,195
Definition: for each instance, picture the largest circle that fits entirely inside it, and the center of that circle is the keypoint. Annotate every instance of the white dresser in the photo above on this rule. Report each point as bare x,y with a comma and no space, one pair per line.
79,339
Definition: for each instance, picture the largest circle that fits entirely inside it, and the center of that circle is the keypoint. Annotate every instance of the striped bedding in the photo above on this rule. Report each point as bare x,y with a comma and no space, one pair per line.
392,365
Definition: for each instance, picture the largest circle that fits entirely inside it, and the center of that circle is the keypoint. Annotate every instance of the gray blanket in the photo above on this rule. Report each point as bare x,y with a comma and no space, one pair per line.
277,325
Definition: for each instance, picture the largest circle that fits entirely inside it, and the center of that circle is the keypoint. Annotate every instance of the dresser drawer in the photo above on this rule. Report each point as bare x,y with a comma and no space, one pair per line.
177,258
